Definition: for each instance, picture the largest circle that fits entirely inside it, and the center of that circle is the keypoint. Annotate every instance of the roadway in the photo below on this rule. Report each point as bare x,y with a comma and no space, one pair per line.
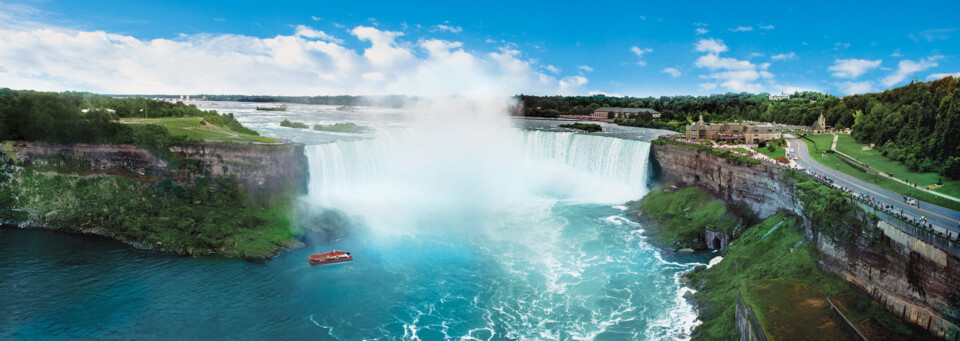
941,218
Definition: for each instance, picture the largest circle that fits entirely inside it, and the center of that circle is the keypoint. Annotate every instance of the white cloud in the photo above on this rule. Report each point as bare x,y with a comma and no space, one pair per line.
308,32
896,53
701,31
315,18
933,35
941,75
741,29
572,84
852,68
673,72
730,73
711,45
784,56
767,27
840,45
851,88
552,69
907,67
304,62
755,54
640,52
586,68
448,28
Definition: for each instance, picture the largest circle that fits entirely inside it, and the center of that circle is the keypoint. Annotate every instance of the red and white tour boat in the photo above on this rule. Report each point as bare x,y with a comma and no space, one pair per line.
328,258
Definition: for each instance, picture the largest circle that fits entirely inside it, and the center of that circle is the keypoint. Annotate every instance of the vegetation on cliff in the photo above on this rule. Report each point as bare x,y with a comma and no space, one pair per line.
707,149
772,249
347,127
211,217
679,218
290,124
587,127
915,124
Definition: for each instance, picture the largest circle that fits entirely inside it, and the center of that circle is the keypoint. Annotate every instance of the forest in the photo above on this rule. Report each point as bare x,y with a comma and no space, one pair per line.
75,117
917,124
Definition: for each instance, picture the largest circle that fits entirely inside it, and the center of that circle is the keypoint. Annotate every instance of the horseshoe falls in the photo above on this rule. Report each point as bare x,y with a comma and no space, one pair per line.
522,238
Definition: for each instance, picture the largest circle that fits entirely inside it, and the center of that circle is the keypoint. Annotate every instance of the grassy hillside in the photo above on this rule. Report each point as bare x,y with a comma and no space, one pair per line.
681,217
199,129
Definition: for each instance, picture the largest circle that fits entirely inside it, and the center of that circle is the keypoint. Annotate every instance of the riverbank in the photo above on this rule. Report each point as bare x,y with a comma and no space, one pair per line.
798,233
235,200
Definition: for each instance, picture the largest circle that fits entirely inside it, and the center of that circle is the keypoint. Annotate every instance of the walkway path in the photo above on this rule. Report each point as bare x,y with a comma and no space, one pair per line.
941,218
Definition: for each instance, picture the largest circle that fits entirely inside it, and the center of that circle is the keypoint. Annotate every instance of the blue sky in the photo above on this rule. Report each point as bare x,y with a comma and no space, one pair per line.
621,48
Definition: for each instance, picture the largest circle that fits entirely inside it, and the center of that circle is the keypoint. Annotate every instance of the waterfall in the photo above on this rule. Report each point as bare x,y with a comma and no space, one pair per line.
402,177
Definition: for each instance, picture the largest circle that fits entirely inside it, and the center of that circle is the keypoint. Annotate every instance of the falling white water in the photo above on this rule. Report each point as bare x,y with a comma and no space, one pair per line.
398,178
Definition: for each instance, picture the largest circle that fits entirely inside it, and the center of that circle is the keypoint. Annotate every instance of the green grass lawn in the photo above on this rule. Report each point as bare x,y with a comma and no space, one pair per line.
820,142
833,161
789,309
847,145
742,150
191,127
776,153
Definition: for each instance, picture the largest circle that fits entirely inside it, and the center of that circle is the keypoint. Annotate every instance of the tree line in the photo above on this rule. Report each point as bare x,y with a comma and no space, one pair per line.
76,117
917,124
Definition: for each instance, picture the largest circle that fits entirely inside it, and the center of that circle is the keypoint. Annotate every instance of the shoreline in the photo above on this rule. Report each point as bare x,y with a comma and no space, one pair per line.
292,244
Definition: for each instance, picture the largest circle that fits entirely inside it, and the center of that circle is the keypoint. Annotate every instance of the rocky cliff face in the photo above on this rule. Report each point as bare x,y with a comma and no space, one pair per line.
765,189
261,170
914,275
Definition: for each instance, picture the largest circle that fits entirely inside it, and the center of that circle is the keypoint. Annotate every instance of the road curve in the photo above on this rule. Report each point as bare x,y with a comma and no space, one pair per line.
941,218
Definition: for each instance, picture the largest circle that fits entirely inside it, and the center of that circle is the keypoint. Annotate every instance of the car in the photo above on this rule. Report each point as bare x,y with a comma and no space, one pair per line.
795,158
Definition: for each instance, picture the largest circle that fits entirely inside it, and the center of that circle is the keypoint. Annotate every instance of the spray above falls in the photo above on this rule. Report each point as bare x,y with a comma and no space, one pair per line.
454,161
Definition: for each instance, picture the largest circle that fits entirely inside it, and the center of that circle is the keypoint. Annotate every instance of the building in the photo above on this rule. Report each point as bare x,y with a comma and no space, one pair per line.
604,112
778,97
749,132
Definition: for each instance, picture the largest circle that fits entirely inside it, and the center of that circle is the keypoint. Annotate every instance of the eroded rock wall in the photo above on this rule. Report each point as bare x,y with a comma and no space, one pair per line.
915,275
261,170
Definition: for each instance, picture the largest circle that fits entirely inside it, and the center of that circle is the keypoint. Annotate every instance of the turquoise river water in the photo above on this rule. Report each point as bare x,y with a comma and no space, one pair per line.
489,233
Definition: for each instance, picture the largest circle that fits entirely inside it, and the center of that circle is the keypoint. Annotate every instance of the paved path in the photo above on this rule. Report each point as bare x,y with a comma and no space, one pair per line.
941,218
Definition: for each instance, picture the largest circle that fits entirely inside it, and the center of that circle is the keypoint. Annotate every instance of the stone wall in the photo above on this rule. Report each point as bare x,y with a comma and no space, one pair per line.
747,323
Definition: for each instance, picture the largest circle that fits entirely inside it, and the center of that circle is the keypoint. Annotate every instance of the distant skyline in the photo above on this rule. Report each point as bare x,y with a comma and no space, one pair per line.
493,47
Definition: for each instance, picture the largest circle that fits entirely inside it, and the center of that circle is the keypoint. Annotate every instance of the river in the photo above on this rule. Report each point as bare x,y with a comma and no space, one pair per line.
487,229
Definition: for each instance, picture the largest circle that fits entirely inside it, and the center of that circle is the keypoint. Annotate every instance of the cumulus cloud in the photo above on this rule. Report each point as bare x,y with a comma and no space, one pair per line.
305,62
640,52
552,69
784,56
308,32
941,75
701,31
852,68
730,73
673,72
852,88
448,28
741,29
586,68
711,45
908,67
